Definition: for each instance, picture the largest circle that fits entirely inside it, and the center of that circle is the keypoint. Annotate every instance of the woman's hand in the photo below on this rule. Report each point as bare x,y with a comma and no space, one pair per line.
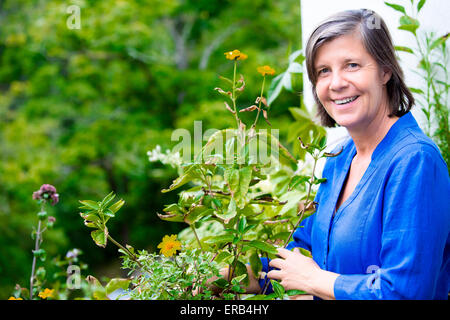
297,271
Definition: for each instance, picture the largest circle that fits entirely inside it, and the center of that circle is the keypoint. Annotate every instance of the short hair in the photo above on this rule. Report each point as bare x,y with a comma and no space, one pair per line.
376,40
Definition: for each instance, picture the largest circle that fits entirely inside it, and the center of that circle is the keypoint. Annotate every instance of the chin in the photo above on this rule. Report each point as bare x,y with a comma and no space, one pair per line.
347,121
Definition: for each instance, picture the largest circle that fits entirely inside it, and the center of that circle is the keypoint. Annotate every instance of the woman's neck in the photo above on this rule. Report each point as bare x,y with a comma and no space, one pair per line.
367,139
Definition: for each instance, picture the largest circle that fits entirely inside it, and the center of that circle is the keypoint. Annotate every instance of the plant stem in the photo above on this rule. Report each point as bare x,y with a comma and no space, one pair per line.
266,280
260,99
301,213
233,98
37,243
33,266
128,252
196,237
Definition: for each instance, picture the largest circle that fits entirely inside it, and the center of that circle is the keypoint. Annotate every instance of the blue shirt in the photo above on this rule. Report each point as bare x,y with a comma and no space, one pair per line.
390,238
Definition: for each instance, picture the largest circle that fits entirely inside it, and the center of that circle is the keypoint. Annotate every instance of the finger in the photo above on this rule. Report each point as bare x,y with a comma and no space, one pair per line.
274,274
283,253
276,263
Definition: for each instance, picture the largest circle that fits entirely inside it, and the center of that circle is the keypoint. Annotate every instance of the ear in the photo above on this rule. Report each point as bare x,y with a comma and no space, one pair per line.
386,74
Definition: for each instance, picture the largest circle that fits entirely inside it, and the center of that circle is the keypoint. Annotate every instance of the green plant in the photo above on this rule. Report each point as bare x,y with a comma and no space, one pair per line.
239,205
432,52
172,278
229,209
46,193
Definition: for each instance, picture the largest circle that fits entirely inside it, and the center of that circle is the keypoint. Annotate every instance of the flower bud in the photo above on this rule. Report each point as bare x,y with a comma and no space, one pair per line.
42,215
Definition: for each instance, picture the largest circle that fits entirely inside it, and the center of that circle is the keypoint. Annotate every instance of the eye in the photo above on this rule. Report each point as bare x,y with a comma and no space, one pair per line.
322,71
352,65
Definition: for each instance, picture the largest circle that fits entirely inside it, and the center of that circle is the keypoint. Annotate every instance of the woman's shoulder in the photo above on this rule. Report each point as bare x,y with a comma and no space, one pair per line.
414,144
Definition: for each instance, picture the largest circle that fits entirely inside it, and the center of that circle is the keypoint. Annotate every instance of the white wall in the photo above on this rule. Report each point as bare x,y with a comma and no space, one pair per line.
434,16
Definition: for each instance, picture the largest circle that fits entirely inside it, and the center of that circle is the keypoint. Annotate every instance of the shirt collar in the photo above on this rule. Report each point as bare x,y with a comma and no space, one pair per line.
404,122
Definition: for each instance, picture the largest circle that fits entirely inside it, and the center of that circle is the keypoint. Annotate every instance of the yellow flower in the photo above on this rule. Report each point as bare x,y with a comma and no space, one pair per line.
264,70
47,293
169,245
235,55
14,298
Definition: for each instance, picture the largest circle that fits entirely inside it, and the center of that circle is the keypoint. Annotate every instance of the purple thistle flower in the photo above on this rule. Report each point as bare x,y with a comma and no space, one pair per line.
45,193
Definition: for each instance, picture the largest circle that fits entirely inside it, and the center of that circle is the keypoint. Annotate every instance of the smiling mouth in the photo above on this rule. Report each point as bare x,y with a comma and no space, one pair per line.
346,100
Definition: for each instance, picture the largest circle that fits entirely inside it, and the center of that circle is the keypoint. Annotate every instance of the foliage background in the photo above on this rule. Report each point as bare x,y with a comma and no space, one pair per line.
79,109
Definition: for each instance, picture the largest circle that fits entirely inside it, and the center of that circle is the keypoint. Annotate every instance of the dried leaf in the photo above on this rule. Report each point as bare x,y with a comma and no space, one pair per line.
265,117
229,108
251,108
225,93
328,155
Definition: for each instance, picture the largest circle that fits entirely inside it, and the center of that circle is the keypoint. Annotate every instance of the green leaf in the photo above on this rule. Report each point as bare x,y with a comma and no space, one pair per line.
106,200
217,203
439,41
238,181
89,204
115,284
294,292
242,225
116,206
409,24
189,175
409,27
278,289
420,5
196,213
100,237
241,275
230,212
213,149
305,252
172,217
238,279
229,81
221,283
275,88
263,246
40,254
296,180
255,263
90,224
231,177
293,198
245,177
173,208
404,49
224,257
90,216
415,90
396,7
98,291
219,239
108,213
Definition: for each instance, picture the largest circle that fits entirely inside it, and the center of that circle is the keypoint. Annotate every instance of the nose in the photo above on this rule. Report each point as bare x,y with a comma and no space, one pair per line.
337,82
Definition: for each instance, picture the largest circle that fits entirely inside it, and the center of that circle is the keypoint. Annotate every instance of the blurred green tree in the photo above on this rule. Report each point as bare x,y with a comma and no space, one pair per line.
80,108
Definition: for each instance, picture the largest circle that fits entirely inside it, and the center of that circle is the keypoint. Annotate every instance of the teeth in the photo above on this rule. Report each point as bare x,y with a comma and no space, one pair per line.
347,100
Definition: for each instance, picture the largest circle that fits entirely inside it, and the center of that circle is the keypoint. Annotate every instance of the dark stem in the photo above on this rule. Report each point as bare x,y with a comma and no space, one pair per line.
128,252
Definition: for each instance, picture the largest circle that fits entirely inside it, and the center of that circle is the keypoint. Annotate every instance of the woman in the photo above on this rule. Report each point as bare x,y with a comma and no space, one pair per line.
381,229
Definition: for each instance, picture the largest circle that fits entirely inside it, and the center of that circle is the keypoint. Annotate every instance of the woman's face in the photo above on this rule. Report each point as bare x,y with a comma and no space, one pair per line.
350,84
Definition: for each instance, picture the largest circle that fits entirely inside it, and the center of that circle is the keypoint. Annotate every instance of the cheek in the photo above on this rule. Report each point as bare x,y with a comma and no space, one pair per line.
321,91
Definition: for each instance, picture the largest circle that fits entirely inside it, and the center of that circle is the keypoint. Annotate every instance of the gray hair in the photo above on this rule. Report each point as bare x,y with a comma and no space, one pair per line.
376,40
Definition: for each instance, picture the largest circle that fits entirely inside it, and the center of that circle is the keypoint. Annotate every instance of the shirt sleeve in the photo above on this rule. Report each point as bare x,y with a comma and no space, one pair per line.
415,229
